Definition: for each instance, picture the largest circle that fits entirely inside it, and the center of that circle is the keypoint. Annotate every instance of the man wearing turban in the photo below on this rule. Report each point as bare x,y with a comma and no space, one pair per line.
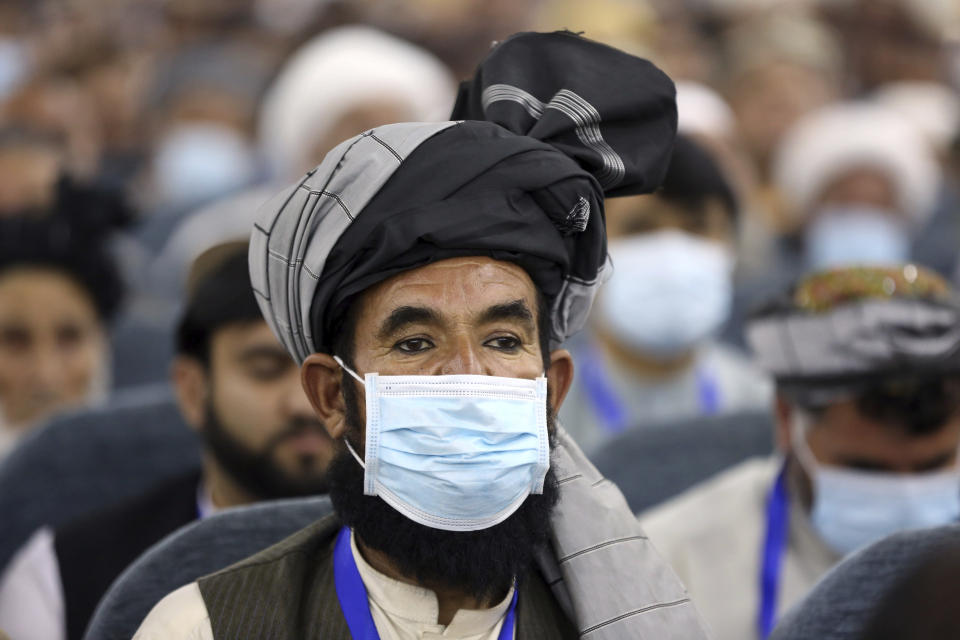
867,368
424,275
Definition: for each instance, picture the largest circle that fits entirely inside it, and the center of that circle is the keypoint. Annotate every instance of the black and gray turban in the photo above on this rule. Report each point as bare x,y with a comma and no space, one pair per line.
550,124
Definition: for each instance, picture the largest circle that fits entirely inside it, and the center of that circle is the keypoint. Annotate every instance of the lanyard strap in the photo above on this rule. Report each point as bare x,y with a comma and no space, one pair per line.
606,402
774,546
601,393
352,595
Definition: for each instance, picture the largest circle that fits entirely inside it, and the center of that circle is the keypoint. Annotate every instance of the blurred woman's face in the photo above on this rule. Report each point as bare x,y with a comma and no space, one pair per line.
52,345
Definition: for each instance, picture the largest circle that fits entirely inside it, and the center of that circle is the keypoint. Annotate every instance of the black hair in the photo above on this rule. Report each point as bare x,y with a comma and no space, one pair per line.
693,177
222,297
344,337
916,405
71,238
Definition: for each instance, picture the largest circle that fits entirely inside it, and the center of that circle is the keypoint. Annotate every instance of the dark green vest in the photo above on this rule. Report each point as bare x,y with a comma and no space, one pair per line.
287,592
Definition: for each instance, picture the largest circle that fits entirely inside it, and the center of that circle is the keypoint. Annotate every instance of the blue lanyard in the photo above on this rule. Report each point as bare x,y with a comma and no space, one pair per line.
352,595
613,414
774,546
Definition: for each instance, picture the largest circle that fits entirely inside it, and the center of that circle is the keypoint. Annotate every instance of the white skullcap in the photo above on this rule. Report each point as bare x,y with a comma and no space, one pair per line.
701,110
933,107
337,71
845,136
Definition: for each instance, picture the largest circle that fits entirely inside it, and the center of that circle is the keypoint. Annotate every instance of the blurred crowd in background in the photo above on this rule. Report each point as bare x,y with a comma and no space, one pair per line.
119,121
137,134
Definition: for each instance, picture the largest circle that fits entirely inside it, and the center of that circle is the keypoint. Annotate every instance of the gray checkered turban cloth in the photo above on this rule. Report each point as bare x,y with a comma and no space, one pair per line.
549,126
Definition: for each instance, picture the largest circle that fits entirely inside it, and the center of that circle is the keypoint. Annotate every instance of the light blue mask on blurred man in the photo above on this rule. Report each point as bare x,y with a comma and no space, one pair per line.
843,236
852,509
670,290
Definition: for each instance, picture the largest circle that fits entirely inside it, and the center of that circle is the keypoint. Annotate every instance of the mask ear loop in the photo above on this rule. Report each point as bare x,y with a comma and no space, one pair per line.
360,380
348,369
353,453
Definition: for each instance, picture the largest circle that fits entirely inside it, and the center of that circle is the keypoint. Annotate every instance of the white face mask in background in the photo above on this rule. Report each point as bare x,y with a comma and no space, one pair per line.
14,64
454,452
855,235
195,162
669,291
852,509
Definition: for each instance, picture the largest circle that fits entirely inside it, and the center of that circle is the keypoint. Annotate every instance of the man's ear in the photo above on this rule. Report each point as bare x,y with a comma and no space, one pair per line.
783,415
192,387
321,378
559,376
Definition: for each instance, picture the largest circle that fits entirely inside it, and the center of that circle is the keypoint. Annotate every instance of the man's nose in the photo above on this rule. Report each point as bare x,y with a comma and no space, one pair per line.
48,369
464,360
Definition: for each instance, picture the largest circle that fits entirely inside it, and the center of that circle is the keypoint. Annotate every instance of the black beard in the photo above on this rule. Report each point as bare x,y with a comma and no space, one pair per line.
255,471
481,563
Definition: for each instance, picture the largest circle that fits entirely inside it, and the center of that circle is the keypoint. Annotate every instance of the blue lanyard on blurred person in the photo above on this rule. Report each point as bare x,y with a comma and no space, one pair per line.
352,595
614,416
774,547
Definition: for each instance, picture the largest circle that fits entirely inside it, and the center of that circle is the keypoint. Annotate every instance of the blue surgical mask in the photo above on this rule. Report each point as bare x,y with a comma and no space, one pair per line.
852,509
669,291
198,161
14,65
855,235
454,452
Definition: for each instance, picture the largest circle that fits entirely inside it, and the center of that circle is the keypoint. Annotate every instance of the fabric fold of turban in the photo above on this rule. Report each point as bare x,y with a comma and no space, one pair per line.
551,123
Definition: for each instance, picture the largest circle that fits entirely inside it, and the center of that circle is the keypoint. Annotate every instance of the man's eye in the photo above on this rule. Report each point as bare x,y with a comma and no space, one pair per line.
413,345
504,343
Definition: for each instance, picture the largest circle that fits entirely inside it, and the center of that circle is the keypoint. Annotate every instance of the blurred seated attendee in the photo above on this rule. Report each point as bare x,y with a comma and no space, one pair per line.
902,587
868,424
934,108
650,355
30,164
239,389
923,606
203,103
341,83
894,40
776,68
60,287
860,183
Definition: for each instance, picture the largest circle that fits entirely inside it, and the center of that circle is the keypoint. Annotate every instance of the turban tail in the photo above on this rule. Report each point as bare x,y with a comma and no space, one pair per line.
551,123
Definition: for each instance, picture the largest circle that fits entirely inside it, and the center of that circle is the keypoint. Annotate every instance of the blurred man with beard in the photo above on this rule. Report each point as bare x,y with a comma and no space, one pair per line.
238,387
424,276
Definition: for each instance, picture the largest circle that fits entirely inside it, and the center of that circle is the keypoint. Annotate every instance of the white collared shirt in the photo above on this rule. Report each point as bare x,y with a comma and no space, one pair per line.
403,611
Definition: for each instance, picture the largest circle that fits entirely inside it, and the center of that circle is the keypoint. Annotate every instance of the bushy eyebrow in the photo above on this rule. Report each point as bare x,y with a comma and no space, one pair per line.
402,317
516,310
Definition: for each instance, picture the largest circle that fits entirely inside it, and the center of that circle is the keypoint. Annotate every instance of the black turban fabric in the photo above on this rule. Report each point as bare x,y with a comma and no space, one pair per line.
551,123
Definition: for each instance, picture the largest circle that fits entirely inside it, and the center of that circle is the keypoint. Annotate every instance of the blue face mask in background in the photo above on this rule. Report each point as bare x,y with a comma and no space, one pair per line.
852,509
195,162
669,291
855,235
454,452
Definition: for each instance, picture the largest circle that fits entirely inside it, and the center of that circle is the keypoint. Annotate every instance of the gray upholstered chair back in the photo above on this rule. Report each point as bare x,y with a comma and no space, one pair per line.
652,464
194,551
845,600
89,459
